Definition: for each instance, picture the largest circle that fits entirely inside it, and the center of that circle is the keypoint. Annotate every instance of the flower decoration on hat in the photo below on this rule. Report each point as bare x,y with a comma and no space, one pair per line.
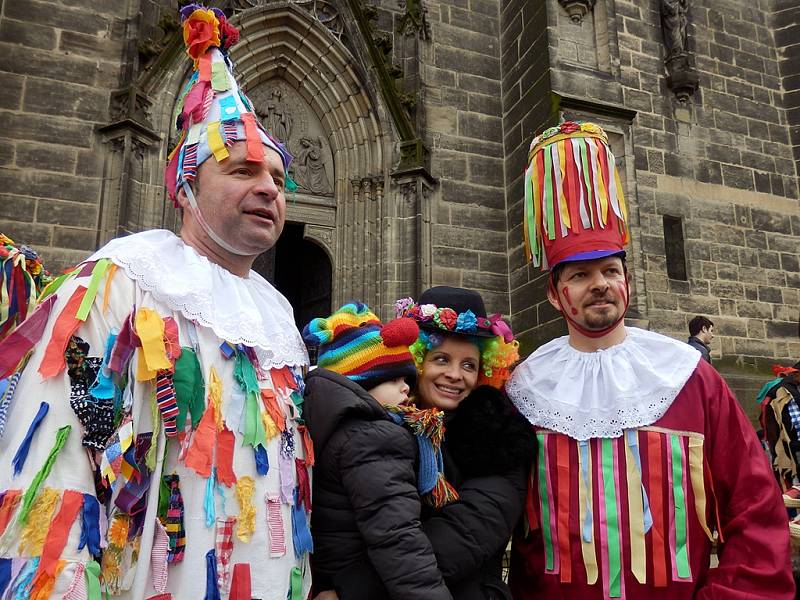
574,206
212,112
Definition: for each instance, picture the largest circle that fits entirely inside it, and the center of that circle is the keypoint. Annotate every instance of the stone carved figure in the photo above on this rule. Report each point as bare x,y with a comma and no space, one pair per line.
674,25
309,164
278,118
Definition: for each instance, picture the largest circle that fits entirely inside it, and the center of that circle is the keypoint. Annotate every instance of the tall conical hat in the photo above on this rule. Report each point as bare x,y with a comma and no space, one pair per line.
574,206
212,112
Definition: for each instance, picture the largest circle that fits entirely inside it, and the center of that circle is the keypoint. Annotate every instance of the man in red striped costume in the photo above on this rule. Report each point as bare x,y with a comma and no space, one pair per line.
644,455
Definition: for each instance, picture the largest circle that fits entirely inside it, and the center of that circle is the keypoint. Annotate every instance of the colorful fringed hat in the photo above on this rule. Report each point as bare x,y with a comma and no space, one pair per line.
574,205
212,112
22,276
353,342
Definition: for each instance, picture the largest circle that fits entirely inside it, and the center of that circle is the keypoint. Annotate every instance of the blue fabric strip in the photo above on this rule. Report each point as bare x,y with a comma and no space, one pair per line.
25,446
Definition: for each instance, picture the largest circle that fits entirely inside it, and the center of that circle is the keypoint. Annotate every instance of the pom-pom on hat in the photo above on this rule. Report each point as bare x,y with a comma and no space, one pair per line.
353,342
574,206
453,310
212,112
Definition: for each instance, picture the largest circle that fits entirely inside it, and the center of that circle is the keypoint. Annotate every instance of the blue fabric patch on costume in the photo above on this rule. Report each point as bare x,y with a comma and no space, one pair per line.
22,452
262,461
228,109
301,536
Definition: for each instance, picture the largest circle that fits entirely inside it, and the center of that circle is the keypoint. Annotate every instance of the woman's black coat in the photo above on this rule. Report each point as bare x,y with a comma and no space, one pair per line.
366,507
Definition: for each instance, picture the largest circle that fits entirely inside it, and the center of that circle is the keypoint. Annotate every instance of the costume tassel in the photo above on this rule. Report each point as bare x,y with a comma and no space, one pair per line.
90,525
158,557
7,397
22,452
20,341
5,574
38,522
212,592
33,488
65,326
698,483
443,493
262,461
224,549
296,584
174,520
208,503
246,525
56,539
273,409
277,537
301,536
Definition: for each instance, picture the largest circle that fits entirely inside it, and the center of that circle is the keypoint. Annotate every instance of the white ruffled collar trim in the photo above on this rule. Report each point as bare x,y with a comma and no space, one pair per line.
239,310
599,394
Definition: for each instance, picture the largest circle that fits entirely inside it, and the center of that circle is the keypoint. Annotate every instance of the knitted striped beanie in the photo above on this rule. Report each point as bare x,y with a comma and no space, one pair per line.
353,342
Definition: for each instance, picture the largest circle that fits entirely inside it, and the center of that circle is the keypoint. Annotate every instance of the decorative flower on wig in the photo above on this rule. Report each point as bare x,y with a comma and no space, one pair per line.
200,31
592,128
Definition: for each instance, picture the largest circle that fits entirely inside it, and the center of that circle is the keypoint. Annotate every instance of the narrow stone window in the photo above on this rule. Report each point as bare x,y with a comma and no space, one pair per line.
675,247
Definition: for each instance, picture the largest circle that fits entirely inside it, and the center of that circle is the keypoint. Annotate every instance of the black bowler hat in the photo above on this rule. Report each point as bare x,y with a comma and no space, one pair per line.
453,310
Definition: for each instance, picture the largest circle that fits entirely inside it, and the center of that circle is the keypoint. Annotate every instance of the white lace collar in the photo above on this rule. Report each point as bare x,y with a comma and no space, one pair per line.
599,394
239,310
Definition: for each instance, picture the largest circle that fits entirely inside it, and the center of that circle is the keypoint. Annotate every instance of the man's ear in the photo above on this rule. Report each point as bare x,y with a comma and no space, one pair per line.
183,201
553,298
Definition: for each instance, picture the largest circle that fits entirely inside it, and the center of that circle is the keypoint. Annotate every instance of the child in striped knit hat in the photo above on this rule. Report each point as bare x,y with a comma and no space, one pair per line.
376,457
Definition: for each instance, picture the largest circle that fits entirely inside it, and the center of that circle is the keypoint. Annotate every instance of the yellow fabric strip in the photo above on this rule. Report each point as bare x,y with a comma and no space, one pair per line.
215,396
698,482
246,523
216,143
585,500
142,372
636,517
150,329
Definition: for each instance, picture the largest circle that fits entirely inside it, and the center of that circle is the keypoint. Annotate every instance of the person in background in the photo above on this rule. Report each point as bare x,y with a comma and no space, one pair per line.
701,332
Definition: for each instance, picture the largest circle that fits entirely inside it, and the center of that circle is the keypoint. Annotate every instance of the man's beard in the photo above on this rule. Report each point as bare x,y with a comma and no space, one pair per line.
600,319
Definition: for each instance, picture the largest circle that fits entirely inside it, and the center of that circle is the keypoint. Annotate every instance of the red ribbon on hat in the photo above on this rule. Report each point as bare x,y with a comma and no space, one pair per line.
498,327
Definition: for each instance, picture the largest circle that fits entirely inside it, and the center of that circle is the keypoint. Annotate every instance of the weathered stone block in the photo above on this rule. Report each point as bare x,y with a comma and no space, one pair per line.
41,128
27,233
73,238
769,221
28,34
769,294
17,208
467,193
49,185
45,157
455,258
737,177
66,213
789,262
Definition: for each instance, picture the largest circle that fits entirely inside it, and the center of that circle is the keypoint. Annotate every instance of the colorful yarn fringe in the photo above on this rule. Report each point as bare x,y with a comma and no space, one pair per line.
571,187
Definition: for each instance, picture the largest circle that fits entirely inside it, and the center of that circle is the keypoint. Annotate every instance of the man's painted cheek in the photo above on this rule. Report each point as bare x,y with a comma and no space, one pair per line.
622,290
565,292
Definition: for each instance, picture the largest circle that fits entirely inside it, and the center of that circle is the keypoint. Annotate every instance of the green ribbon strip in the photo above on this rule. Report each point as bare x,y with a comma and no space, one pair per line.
98,271
545,501
297,584
681,551
612,519
92,571
245,374
52,287
548,199
189,387
33,488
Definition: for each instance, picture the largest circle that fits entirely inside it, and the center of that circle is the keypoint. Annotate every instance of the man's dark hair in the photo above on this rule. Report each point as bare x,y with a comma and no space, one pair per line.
555,273
697,324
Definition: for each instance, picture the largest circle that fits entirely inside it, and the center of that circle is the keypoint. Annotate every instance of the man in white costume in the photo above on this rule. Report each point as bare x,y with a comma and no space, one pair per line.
644,455
155,445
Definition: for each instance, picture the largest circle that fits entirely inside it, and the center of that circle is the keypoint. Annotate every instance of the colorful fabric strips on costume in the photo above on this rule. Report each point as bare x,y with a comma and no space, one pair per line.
631,492
574,201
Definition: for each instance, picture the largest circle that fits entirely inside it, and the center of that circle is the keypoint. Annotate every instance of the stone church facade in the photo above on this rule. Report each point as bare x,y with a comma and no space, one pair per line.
410,122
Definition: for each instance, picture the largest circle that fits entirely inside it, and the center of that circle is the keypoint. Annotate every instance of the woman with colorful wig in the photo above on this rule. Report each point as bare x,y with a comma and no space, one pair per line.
463,360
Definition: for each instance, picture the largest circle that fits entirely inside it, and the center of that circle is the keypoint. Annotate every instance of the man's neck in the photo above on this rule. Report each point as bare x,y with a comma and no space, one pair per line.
238,265
584,343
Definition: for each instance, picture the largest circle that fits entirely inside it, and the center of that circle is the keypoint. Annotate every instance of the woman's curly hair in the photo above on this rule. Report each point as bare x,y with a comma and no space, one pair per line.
497,356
